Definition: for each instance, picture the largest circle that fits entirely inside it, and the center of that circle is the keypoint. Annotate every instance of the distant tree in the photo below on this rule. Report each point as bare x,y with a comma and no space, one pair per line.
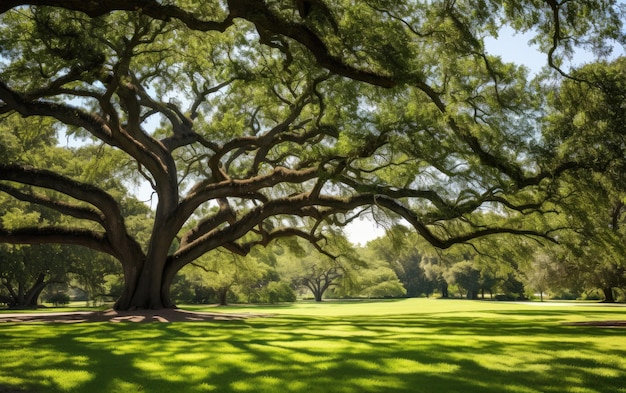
538,277
380,282
316,274
439,265
504,261
376,279
319,271
25,271
435,272
263,284
488,279
513,287
222,273
59,299
403,249
466,276
276,292
588,122
184,290
90,271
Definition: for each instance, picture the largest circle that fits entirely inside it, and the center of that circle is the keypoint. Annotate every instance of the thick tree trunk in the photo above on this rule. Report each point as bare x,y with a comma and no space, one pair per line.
19,299
608,295
32,296
146,275
147,278
444,290
145,287
146,296
26,298
166,285
148,291
315,288
222,296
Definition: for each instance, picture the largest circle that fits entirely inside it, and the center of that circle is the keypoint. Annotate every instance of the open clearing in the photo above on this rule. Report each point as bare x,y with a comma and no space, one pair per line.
412,345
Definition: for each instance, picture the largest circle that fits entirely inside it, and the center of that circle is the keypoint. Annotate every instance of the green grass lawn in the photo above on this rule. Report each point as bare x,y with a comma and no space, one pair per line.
413,345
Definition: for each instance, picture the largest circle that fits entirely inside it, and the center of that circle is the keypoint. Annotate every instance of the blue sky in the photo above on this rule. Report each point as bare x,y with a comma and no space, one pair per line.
516,49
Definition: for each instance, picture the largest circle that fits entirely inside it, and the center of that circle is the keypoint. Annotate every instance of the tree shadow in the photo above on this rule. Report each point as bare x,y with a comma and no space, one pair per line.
392,353
141,316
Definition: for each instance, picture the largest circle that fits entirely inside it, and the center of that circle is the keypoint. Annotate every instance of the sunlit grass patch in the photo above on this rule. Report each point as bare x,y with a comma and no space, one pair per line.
150,366
262,382
120,385
410,366
206,387
62,379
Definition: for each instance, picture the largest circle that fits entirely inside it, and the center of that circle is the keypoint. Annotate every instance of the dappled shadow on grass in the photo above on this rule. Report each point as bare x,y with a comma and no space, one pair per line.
142,316
394,353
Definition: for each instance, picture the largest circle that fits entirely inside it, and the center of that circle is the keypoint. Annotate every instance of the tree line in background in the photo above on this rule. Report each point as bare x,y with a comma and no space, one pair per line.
399,264
274,123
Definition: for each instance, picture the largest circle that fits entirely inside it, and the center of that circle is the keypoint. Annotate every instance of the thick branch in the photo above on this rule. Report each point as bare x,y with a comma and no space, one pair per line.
41,235
205,191
54,181
64,113
151,8
444,243
113,220
225,214
62,207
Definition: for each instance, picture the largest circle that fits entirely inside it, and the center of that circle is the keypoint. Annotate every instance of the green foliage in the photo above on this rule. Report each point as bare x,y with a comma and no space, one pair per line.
588,118
59,299
587,122
26,270
277,292
337,270
464,275
384,286
404,253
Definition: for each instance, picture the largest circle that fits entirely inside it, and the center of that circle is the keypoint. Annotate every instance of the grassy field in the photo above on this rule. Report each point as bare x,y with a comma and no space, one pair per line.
413,345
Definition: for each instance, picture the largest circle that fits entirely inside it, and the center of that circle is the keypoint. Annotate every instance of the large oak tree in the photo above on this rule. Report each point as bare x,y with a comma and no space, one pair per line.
253,120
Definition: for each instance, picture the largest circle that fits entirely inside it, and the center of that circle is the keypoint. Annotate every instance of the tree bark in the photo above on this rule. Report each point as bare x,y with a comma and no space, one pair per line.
166,285
222,295
444,290
146,295
32,296
608,295
145,287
